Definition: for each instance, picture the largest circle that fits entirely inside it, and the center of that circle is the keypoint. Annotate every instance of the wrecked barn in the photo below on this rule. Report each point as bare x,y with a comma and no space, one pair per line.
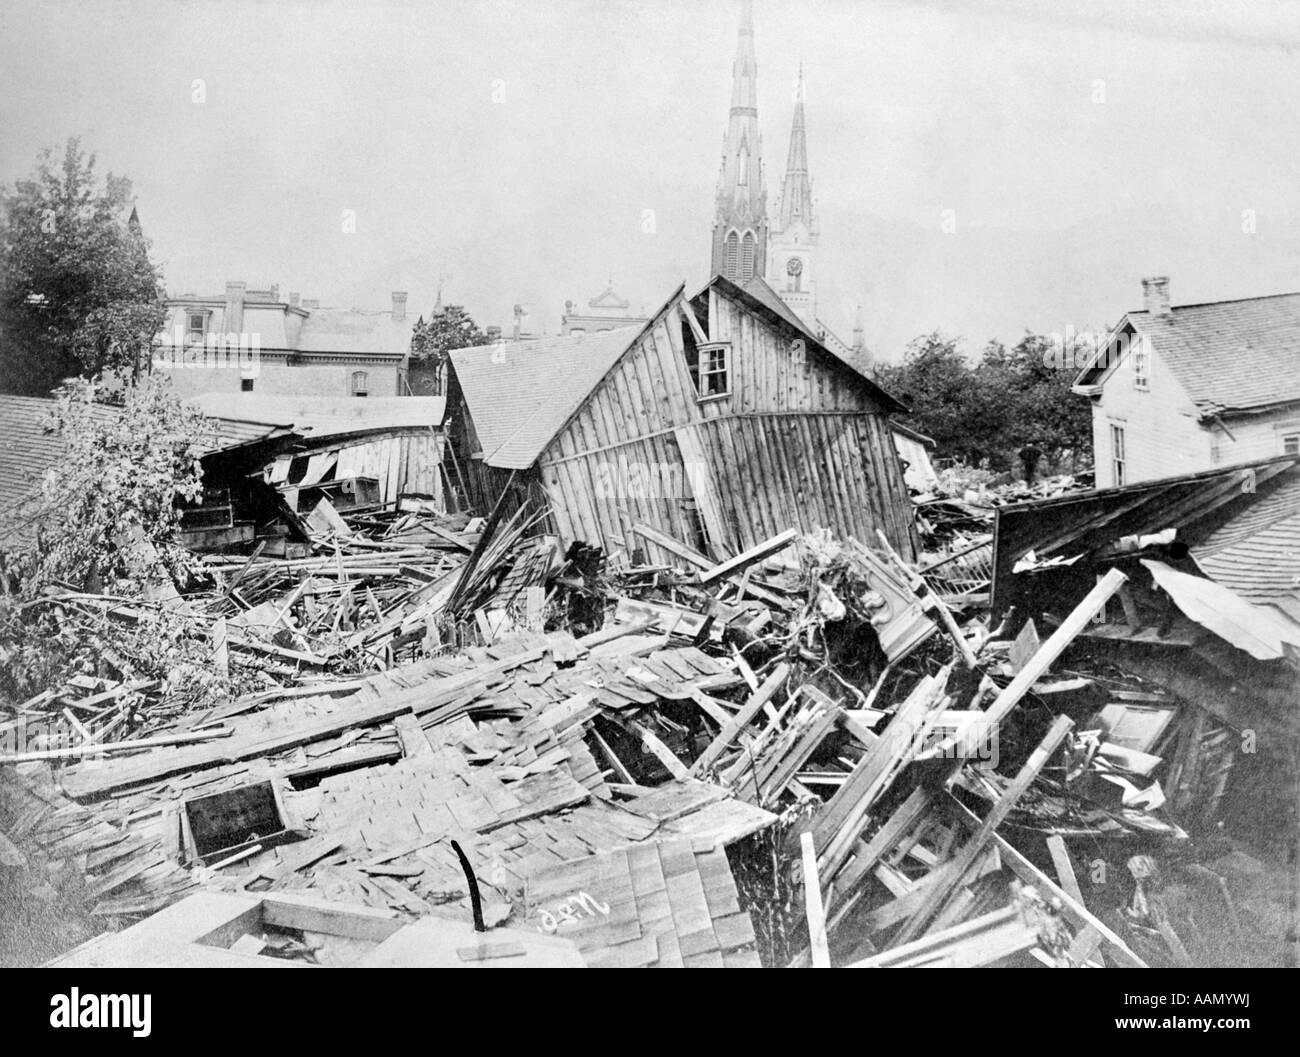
721,422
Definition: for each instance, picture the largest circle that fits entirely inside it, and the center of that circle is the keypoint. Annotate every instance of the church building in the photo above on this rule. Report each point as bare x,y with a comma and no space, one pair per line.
746,246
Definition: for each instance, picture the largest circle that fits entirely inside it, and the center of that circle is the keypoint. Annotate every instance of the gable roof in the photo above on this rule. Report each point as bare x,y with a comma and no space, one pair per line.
522,393
758,295
1229,356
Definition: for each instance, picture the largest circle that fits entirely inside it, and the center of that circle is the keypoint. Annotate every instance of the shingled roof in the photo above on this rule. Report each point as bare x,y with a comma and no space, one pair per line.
1229,356
1254,553
521,394
29,447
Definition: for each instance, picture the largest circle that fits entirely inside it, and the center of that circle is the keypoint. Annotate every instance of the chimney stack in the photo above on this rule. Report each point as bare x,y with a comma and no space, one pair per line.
293,297
235,307
275,291
1155,296
519,321
493,335
399,305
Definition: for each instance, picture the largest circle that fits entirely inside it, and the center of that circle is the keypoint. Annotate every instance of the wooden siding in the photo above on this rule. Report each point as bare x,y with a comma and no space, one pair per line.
796,444
407,462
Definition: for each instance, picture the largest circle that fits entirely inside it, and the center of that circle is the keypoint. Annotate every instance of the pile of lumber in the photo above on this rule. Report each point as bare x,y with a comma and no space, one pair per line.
816,688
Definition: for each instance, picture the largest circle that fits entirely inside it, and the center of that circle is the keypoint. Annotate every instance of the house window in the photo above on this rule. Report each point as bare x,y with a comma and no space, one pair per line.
715,379
1118,461
196,327
1291,444
245,385
1141,364
360,383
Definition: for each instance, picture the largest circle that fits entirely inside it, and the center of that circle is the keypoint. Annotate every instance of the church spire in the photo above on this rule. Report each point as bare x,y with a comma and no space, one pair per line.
740,223
796,188
792,260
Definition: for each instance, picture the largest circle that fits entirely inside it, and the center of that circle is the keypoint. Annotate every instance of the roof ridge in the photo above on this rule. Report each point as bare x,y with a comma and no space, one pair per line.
1212,304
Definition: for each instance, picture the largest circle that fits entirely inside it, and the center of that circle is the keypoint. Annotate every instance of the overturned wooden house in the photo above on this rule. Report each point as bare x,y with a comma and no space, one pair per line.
720,422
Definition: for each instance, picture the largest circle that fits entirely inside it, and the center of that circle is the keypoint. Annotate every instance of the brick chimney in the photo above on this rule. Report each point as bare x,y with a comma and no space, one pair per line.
1155,296
519,321
293,297
399,305
235,307
275,291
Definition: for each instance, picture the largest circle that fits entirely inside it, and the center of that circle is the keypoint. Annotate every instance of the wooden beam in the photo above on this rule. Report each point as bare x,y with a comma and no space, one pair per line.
1002,807
1063,866
688,314
755,554
1047,654
1075,912
988,938
812,895
96,749
664,754
741,719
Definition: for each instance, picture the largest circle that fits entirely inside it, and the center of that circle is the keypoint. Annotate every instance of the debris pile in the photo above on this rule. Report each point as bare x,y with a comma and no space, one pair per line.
456,720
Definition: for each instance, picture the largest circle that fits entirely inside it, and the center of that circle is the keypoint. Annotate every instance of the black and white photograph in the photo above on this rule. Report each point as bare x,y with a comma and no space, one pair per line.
650,483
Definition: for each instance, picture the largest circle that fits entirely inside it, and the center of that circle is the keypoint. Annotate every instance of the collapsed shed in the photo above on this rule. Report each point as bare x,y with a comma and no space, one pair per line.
721,422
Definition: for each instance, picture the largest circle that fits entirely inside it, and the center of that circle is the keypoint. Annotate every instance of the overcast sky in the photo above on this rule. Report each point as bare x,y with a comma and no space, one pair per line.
515,147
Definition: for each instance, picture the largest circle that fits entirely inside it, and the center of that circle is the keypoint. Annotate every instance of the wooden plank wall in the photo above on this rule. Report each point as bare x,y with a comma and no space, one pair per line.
402,462
796,443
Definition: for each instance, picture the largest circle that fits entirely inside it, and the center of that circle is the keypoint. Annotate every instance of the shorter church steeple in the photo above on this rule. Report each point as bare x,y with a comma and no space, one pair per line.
791,265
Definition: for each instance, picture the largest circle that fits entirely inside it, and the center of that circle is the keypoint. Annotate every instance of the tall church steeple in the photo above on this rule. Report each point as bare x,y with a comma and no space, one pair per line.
740,221
794,234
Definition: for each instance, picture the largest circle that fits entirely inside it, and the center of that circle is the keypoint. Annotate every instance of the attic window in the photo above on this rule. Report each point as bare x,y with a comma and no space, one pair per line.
714,370
1291,444
196,327
360,383
1141,365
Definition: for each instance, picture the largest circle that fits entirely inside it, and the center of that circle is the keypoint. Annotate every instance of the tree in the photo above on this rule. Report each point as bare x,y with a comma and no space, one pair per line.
78,292
118,482
448,328
1041,411
987,413
935,382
